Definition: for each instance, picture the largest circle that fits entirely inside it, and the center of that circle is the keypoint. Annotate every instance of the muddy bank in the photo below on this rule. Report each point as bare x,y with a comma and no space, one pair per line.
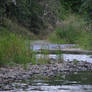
18,73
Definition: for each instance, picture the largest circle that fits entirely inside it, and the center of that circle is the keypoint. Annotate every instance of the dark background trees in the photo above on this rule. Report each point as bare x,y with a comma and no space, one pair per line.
37,14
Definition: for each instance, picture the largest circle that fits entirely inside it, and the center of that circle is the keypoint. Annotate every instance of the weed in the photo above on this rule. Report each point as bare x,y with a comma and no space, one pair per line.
44,59
75,62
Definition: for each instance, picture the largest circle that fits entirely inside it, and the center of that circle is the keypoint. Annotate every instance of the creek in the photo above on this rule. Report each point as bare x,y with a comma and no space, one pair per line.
36,46
72,82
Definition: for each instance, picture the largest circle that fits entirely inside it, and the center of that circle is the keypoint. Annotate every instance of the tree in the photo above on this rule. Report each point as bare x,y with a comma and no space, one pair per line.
87,9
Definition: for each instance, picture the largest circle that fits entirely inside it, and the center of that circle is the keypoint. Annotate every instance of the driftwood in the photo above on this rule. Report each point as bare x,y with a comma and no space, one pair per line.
64,51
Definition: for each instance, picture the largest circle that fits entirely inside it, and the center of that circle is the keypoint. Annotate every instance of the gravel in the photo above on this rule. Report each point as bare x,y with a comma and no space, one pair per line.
18,73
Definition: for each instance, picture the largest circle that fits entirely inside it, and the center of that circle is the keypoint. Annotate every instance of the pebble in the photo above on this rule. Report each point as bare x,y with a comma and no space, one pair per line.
9,75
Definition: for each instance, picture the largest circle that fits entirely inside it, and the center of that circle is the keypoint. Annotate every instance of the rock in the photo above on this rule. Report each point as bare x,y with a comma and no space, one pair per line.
8,75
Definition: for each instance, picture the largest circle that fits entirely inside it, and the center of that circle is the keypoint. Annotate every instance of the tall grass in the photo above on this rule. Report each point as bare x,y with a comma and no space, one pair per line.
13,49
85,40
73,30
66,34
69,31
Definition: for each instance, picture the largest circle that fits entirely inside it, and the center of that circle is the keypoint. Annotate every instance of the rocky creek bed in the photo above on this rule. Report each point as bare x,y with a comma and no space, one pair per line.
8,75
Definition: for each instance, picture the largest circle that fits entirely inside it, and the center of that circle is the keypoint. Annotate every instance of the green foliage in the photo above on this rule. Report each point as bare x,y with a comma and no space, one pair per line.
37,14
82,7
25,12
13,49
36,22
73,30
22,11
69,31
86,7
73,5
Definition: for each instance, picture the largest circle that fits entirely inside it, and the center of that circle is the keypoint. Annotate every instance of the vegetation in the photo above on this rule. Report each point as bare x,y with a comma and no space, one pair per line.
33,13
76,26
44,60
21,20
86,7
14,49
73,30
69,31
85,40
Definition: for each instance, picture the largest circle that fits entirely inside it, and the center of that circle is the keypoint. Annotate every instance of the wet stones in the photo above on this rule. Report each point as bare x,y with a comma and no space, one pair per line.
14,74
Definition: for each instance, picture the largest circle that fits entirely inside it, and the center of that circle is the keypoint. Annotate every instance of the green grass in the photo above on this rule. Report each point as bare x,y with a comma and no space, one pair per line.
73,30
69,31
85,40
43,60
14,49
66,34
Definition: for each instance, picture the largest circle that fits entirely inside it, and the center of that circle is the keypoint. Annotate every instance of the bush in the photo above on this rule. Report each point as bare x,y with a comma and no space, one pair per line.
13,49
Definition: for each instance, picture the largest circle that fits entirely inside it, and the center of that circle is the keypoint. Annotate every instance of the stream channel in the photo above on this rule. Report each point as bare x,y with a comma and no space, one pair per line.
74,82
66,57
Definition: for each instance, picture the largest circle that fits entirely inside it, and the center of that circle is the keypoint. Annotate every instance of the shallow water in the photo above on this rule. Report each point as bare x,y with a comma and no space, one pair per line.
36,47
81,57
67,57
74,82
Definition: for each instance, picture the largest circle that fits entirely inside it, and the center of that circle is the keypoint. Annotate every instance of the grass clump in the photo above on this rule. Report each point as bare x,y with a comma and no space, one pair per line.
75,61
44,60
13,49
